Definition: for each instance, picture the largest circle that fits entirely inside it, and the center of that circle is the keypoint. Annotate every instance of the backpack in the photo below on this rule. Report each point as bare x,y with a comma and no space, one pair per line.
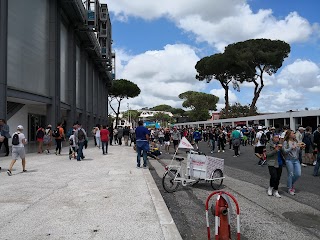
80,134
15,139
56,133
307,140
40,134
263,139
71,141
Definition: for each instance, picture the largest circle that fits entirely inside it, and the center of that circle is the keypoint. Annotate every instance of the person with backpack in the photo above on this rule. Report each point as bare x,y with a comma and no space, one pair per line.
18,142
80,137
39,136
58,134
260,145
236,141
308,141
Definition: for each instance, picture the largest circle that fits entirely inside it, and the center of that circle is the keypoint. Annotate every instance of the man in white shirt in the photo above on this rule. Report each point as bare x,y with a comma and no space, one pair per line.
18,150
259,146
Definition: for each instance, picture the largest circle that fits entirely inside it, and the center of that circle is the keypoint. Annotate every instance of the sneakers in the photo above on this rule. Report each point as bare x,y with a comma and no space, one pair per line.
291,192
145,167
270,191
276,194
211,151
235,155
218,150
222,150
314,163
303,165
9,172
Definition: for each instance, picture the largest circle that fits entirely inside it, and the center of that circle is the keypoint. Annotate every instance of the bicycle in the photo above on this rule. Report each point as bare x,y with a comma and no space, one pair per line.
199,168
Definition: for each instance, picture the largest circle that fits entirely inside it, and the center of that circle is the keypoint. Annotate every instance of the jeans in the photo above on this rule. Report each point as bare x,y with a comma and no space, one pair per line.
98,141
80,151
142,147
104,146
293,171
317,166
213,144
275,175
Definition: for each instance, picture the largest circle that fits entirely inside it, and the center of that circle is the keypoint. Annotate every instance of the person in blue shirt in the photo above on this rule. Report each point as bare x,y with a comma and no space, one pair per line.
197,137
142,143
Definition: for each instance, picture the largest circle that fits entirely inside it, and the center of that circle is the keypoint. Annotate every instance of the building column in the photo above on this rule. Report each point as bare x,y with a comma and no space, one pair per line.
83,87
53,110
3,57
72,84
90,94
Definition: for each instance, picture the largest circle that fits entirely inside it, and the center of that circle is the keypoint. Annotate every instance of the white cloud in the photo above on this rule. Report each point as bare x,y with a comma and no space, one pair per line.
161,75
221,93
301,74
219,22
283,100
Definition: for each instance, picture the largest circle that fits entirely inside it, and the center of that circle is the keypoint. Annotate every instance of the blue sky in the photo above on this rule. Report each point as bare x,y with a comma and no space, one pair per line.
157,45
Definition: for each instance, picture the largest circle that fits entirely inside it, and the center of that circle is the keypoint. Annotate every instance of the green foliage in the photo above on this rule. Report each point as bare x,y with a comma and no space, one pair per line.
237,110
120,90
199,103
123,88
162,107
243,61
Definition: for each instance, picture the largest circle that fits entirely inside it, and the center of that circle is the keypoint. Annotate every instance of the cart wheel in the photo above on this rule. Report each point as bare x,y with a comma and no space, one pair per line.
168,182
216,184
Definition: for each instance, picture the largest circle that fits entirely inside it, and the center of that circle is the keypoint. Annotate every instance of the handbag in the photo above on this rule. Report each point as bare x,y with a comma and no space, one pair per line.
2,138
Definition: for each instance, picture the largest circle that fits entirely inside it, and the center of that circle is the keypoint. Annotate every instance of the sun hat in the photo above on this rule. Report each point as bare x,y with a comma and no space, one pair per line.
259,127
301,128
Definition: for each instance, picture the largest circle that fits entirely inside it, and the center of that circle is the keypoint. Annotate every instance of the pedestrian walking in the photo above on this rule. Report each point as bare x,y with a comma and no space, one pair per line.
275,163
120,135
39,136
126,133
97,136
58,134
5,135
18,151
291,150
142,143
80,137
47,139
176,137
236,140
104,134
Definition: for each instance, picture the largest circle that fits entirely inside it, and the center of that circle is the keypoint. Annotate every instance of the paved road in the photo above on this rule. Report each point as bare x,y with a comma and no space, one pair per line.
262,217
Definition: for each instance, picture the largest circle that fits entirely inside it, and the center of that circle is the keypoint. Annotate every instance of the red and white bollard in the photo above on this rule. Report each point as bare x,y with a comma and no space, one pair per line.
222,216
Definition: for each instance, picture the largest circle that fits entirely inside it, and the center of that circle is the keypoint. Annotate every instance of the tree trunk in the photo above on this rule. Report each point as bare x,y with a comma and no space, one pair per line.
118,112
257,91
226,98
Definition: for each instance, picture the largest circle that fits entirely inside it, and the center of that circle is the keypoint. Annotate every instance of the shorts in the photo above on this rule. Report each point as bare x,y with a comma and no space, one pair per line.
197,140
175,142
259,149
18,152
40,139
167,143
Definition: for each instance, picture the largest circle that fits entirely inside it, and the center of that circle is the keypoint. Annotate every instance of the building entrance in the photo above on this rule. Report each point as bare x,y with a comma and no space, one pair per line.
34,121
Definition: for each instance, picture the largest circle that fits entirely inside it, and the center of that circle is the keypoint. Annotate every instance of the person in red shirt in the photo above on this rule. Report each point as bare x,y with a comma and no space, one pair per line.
104,136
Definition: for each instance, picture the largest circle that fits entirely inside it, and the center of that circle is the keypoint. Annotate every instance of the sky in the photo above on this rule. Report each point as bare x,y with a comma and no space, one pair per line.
158,43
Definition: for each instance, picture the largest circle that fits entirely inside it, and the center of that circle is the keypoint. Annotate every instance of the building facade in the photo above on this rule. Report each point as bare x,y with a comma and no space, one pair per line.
55,63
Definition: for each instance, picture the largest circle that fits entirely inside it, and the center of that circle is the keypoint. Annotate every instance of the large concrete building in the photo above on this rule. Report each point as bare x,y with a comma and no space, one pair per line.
56,63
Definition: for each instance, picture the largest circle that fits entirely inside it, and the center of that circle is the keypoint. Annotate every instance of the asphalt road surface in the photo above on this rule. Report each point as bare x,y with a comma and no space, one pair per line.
262,216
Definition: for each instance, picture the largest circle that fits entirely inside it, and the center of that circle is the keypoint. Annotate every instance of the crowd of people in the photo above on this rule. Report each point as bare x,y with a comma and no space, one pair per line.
276,148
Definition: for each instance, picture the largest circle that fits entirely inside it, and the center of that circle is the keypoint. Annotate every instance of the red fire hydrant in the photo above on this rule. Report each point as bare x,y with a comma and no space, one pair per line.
222,216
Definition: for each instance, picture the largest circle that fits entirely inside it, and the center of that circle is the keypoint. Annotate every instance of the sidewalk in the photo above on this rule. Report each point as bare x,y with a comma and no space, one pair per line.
101,197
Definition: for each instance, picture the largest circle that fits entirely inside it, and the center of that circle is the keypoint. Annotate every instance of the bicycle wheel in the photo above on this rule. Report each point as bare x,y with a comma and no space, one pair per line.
168,182
216,184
